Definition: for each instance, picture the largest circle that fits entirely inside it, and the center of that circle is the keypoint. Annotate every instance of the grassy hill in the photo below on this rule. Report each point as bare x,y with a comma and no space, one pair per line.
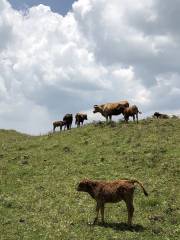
39,175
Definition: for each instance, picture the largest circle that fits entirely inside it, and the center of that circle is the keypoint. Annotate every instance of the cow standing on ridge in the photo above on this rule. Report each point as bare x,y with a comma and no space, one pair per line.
68,119
109,109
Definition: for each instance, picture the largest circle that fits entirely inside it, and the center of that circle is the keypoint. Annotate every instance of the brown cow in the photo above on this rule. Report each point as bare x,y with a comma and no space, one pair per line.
111,192
160,115
109,109
79,118
131,111
59,124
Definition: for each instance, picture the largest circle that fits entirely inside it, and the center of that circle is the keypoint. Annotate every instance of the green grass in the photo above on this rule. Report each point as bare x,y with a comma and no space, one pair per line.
39,175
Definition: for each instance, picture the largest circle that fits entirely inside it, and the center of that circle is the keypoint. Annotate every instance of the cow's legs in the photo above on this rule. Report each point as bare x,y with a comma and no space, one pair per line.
137,117
133,118
126,118
110,118
106,118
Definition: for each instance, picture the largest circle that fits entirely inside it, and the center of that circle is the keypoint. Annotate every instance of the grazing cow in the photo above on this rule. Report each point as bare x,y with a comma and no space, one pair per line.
59,124
109,109
80,117
111,192
68,119
160,115
131,111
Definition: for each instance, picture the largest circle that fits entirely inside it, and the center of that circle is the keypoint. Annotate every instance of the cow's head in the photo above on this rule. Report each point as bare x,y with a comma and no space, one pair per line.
97,108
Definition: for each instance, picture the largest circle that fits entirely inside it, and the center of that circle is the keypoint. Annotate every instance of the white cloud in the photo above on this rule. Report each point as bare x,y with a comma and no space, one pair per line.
101,51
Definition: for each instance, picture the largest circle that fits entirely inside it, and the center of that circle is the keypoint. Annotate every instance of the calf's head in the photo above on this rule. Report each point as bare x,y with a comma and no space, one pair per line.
85,186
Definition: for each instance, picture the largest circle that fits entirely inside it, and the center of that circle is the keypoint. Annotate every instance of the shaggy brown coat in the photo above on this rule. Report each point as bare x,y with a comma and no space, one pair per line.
59,124
111,192
131,111
109,109
79,118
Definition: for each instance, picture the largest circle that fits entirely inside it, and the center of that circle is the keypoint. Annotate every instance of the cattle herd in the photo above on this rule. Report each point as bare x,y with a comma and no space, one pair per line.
107,110
108,192
68,119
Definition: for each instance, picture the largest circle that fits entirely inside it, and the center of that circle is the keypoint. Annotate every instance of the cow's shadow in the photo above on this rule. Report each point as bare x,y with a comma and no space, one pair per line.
123,227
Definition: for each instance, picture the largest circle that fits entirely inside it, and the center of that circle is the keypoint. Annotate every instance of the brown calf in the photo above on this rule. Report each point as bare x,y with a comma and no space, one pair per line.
79,118
131,111
59,124
111,192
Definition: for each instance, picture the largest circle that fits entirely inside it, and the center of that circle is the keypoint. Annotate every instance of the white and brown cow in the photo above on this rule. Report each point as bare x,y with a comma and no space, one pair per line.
109,109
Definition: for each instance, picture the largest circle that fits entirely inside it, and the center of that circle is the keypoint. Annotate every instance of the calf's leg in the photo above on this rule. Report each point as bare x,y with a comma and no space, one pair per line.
97,213
130,208
102,213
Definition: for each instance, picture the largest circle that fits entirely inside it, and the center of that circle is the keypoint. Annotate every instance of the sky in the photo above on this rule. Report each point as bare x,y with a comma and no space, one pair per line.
60,6
57,59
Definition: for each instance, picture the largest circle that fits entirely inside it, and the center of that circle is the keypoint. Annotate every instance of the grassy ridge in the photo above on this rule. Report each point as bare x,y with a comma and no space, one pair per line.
38,177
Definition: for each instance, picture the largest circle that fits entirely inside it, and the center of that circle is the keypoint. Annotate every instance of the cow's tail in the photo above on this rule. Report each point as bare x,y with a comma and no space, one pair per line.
141,185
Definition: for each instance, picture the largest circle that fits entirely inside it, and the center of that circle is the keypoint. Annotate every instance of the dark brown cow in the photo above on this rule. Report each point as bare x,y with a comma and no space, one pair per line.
131,111
79,118
68,119
59,124
111,192
109,109
160,115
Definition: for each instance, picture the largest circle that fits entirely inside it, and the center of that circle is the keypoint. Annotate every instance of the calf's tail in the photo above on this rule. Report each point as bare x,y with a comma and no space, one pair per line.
141,185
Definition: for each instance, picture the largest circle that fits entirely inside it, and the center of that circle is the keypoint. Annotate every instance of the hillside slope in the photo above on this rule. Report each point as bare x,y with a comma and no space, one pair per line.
39,175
